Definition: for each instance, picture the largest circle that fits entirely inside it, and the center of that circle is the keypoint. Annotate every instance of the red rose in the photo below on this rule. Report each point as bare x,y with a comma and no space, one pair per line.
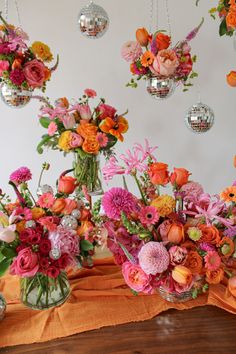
63,261
26,234
53,272
45,247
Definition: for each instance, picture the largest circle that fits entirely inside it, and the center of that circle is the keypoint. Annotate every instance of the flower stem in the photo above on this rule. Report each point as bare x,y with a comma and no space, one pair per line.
140,188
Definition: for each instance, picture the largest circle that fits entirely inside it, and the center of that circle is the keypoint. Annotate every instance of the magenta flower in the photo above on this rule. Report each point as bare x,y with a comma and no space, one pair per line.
148,215
4,48
154,258
191,189
21,175
17,77
212,260
204,246
116,201
131,51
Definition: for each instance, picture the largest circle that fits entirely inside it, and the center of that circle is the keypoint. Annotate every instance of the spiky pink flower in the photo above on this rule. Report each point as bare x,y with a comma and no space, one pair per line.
118,200
154,258
148,215
20,175
131,51
111,169
212,261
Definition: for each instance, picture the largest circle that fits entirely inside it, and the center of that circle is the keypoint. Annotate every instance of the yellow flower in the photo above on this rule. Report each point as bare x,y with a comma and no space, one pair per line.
37,213
3,220
42,51
164,204
64,141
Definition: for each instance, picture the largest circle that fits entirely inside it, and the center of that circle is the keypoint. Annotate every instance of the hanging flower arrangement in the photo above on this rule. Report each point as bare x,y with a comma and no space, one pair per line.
226,11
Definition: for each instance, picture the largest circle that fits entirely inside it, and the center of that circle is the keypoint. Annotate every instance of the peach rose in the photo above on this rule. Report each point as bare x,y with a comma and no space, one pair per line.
215,277
232,285
231,78
163,41
194,262
142,36
210,234
158,173
165,63
182,275
176,233
179,177
91,145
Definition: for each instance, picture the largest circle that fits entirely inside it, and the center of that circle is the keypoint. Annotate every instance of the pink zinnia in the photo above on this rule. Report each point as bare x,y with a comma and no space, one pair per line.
52,128
116,201
46,200
21,175
102,139
154,258
148,215
131,51
212,260
90,93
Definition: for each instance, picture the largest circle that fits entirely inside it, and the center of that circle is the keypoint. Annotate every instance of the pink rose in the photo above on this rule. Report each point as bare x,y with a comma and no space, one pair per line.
165,63
68,121
85,112
76,140
136,278
164,228
52,128
4,66
35,73
106,111
25,264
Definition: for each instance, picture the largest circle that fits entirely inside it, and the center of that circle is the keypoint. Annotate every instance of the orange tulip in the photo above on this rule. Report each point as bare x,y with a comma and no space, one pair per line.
16,64
66,184
176,233
114,127
179,177
232,285
182,275
58,205
231,78
84,227
142,36
158,173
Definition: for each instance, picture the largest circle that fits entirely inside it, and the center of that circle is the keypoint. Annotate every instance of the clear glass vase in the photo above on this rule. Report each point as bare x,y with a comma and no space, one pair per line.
3,306
160,88
87,172
41,292
15,97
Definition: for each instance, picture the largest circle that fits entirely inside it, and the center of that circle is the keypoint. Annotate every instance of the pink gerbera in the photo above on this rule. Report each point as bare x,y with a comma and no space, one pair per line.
154,258
90,93
102,139
116,201
46,200
148,215
212,260
20,175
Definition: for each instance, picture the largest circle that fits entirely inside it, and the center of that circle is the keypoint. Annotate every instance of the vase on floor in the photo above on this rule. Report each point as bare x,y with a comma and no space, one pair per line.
42,292
15,97
3,306
160,88
87,172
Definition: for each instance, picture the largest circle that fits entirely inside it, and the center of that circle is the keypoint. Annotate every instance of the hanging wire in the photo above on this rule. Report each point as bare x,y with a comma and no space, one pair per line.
151,15
153,18
6,7
168,18
18,12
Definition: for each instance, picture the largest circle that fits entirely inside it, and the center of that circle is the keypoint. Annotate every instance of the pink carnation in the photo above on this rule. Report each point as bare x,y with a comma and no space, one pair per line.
154,258
90,93
136,278
131,51
21,175
116,201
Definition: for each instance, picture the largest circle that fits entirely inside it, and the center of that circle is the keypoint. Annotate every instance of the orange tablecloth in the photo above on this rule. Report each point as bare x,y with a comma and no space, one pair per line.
99,298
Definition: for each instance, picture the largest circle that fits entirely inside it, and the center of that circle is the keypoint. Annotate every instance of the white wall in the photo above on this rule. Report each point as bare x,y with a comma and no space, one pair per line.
97,64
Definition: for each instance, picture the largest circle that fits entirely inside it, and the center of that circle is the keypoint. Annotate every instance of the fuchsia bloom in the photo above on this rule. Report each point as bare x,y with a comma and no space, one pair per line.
154,258
102,139
148,215
46,200
90,93
4,66
21,175
136,278
118,200
52,128
212,260
17,77
131,51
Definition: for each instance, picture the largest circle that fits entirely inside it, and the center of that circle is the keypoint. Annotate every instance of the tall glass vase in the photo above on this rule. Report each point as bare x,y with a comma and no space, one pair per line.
87,172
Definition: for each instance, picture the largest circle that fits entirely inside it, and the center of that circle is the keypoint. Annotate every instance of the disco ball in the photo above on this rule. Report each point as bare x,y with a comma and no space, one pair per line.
160,88
45,188
69,221
93,21
3,307
199,118
14,98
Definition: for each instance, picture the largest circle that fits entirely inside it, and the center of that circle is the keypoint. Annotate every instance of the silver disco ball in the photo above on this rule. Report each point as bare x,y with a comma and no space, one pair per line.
14,98
93,21
199,118
45,188
3,307
69,221
160,88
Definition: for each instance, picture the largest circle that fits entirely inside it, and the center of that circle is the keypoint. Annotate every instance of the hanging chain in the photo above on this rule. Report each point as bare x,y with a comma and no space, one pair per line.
6,9
151,15
18,12
153,19
168,18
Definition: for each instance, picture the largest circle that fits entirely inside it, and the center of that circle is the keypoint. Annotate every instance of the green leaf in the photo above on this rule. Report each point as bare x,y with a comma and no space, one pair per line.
86,245
8,252
1,257
44,121
44,141
223,27
4,265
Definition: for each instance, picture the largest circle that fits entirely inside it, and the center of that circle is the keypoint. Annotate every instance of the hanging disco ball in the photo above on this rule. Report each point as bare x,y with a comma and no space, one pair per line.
199,118
13,97
3,307
160,88
45,188
93,21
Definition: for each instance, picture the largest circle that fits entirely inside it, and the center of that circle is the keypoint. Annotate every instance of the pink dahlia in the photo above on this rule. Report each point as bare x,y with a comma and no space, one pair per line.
154,258
21,175
116,201
192,189
17,77
148,215
212,261
131,51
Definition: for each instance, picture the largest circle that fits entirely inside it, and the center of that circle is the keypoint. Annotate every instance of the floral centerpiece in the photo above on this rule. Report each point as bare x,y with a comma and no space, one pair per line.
77,128
23,68
41,238
153,58
179,243
226,11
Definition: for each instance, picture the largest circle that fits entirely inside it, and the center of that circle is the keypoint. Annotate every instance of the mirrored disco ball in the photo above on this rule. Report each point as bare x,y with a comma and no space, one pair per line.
15,98
93,21
199,118
3,307
160,88
45,188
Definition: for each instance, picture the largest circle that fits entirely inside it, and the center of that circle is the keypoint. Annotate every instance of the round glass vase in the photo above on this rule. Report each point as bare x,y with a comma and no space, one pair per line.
160,87
41,292
15,97
88,173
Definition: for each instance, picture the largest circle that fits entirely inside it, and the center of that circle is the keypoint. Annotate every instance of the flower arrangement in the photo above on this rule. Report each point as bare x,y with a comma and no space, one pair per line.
226,10
40,239
152,55
84,131
179,243
22,66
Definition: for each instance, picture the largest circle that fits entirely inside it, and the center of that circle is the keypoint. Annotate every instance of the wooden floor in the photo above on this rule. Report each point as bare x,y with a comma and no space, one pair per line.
197,331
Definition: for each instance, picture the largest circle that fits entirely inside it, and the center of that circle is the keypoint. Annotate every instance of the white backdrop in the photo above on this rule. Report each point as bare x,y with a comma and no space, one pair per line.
97,64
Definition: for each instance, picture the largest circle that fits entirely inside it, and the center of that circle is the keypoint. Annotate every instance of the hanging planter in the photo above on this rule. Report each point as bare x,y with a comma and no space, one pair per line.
15,97
160,88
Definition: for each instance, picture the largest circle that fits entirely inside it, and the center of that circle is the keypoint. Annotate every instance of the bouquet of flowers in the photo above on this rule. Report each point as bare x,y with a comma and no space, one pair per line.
152,55
40,239
226,10
178,243
86,132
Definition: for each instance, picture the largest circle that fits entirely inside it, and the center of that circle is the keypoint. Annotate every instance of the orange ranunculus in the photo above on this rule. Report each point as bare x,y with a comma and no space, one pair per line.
163,41
215,277
16,64
115,128
232,285
58,205
85,214
176,233
47,74
210,234
86,130
142,36
231,78
147,59
194,262
66,184
182,275
179,177
20,226
158,173
37,213
91,145
84,227
231,19
189,245
69,206
227,246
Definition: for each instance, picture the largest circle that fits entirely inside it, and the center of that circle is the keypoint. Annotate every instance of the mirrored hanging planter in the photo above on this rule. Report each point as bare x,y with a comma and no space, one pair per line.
160,88
15,97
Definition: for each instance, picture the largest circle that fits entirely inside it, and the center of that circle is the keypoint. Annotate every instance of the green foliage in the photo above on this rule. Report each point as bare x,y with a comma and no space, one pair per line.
86,245
44,121
4,265
45,140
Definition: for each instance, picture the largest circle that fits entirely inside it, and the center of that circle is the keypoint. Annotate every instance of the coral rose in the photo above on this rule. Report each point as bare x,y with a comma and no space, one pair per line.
34,72
231,78
231,19
165,63
162,41
210,234
58,205
66,184
182,275
232,285
179,177
25,264
158,173
215,277
142,36
91,145
176,233
194,262
136,278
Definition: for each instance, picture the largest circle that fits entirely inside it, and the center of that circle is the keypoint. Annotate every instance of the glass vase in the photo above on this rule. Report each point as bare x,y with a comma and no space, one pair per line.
159,87
87,172
3,306
41,292
14,97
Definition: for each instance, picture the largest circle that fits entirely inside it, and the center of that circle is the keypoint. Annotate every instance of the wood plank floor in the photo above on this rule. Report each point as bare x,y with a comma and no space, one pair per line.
200,330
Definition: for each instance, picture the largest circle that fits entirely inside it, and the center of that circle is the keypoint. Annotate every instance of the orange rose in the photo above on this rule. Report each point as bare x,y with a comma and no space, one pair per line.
232,285
69,207
58,205
158,173
91,145
86,130
142,36
231,78
84,227
215,277
176,233
210,234
37,213
182,275
194,262
189,245
179,177
66,184
231,19
163,41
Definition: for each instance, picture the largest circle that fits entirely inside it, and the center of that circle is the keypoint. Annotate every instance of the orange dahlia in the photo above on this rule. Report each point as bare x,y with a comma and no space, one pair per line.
229,194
